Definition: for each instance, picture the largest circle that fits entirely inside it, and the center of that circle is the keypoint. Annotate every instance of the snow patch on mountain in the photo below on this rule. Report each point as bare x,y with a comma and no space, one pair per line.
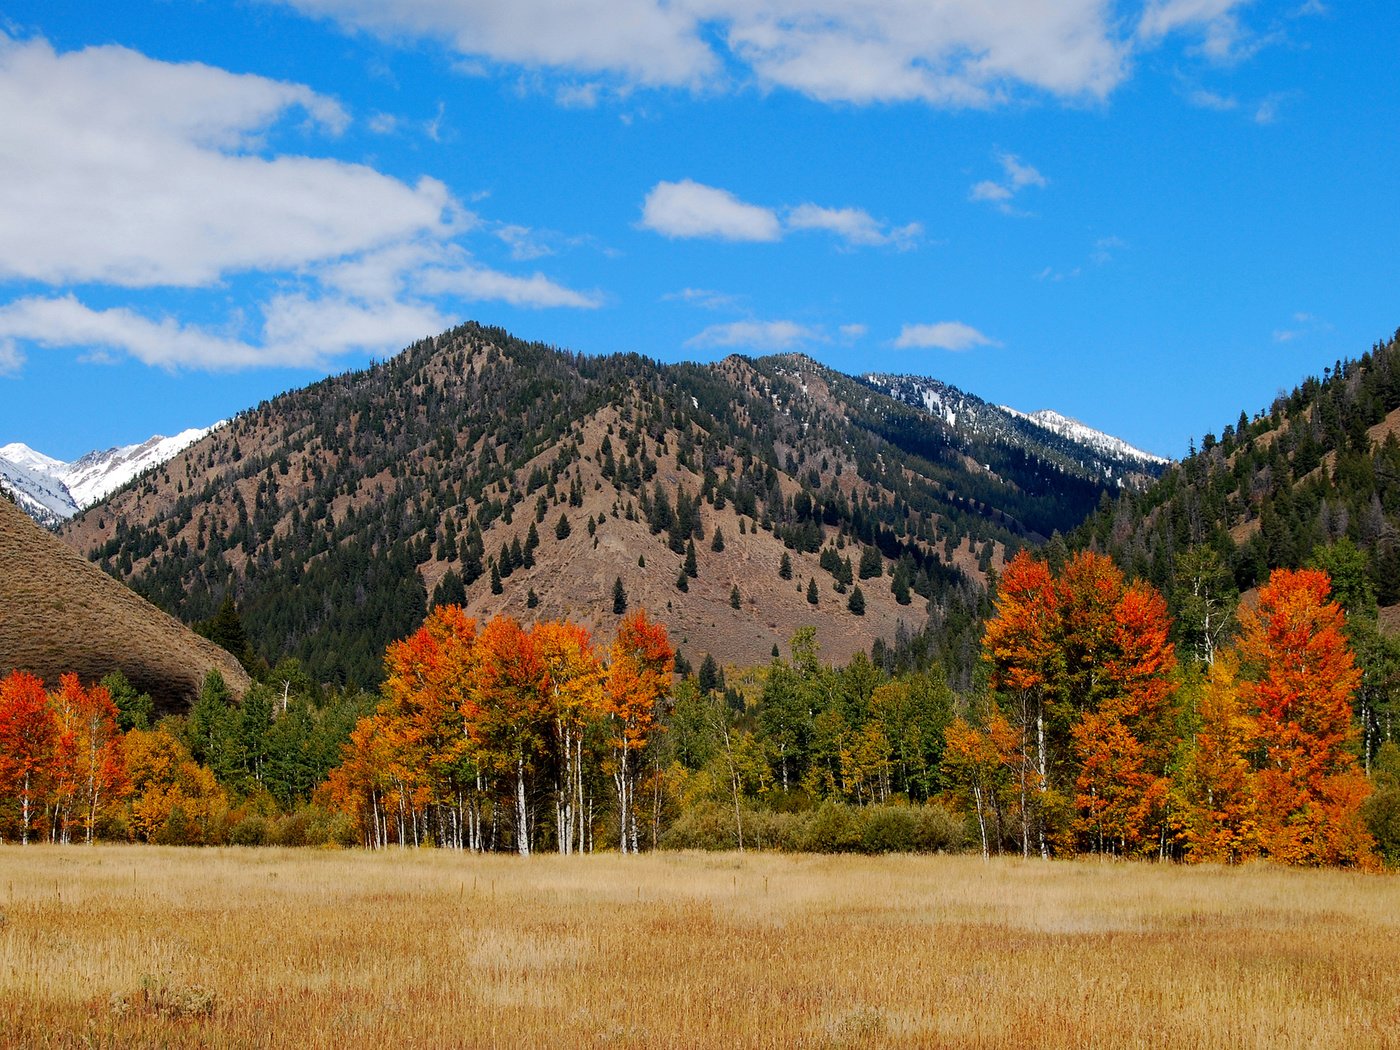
1081,434
50,490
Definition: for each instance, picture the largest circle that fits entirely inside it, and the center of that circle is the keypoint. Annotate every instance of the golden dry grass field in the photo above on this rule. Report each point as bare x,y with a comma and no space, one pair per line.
149,946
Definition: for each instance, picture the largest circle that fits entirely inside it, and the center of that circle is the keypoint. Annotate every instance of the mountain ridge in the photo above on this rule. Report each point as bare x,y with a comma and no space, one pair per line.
337,512
51,491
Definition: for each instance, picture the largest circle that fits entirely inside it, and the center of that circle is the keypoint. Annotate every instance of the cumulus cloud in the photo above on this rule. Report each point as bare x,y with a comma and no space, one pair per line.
755,335
942,335
131,173
158,184
643,41
953,53
691,209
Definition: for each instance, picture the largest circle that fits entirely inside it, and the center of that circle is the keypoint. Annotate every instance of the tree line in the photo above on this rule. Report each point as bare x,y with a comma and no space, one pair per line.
1084,731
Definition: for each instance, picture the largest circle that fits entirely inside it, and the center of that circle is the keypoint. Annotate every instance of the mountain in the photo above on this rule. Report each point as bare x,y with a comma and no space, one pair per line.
60,614
1077,449
336,513
50,490
1114,449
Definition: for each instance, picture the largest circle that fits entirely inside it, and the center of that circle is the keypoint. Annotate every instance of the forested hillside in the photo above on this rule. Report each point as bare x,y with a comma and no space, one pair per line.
737,501
1320,465
1312,481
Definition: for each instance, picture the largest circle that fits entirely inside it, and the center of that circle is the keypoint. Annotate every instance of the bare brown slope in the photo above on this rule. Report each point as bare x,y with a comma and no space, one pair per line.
59,613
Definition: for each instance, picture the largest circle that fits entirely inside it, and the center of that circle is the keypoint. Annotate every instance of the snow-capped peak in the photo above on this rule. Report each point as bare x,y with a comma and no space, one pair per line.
1084,435
50,490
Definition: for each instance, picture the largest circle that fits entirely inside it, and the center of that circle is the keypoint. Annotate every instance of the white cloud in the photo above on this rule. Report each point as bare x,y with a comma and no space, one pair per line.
643,41
1105,248
480,282
1204,99
1303,325
11,357
1016,176
853,225
756,335
524,243
705,298
852,332
127,172
942,335
297,332
950,53
158,183
1222,37
690,209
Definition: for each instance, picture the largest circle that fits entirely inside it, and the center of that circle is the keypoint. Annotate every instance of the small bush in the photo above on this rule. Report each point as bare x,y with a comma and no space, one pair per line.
250,831
832,828
1382,814
890,829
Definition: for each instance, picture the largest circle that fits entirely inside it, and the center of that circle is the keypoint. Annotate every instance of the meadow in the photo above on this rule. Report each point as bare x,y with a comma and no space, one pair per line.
111,946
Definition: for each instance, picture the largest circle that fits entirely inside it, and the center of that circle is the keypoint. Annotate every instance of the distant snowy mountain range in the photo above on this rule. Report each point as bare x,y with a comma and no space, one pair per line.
1085,435
1078,448
50,490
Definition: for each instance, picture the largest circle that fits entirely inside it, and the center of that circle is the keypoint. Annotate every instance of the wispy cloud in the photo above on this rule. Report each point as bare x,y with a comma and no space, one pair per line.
942,335
855,226
705,298
1016,176
756,335
1302,325
689,209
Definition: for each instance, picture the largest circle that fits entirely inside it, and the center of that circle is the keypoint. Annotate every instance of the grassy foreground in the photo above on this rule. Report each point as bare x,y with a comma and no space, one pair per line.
150,946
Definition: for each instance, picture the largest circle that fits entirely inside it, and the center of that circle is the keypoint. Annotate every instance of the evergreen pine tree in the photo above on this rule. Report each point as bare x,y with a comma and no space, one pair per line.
496,587
562,528
785,567
856,602
717,541
734,597
812,592
619,597
871,564
691,568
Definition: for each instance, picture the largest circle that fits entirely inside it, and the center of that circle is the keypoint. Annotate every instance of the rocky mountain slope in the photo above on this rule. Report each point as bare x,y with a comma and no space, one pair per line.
737,501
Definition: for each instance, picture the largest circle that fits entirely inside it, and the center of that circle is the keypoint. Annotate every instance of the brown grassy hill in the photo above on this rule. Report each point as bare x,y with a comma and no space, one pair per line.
335,513
59,613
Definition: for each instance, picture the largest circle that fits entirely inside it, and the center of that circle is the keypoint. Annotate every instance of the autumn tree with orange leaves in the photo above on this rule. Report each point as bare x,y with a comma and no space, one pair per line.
28,737
639,676
1084,672
474,723
1299,679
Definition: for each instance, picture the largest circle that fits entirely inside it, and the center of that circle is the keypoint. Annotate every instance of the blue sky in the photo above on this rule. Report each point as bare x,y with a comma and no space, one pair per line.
1147,215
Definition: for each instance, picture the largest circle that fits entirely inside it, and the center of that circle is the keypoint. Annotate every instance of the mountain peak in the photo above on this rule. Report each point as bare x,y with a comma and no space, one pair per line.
1067,426
51,491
